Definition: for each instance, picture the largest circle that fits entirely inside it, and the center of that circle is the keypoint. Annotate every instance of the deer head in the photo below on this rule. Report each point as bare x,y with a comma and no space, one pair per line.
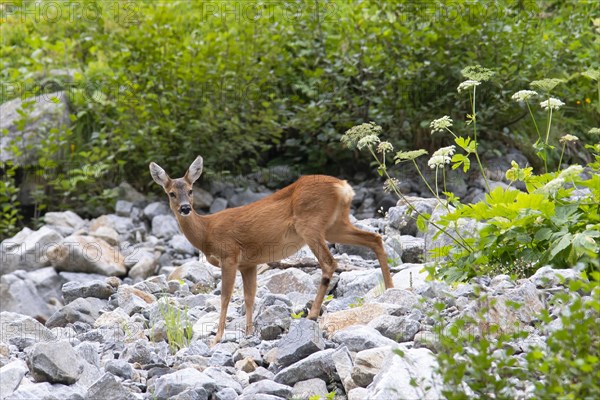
181,196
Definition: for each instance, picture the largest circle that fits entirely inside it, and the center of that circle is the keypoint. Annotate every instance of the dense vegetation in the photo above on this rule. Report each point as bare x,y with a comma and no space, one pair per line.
251,84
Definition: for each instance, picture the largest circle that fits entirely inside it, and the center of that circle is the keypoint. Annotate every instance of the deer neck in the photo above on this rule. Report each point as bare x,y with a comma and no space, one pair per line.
193,228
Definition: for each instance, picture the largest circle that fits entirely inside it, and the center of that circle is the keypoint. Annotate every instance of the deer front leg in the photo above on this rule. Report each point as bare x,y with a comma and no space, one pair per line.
228,271
249,279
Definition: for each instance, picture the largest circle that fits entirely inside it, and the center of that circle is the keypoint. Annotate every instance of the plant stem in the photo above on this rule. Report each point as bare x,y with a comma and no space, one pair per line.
561,155
547,135
534,122
462,243
487,184
444,178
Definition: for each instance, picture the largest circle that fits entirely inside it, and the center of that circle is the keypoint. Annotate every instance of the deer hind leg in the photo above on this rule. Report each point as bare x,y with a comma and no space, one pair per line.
344,232
249,279
328,265
228,271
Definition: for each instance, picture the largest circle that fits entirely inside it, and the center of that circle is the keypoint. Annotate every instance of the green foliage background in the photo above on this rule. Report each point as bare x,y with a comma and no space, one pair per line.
250,84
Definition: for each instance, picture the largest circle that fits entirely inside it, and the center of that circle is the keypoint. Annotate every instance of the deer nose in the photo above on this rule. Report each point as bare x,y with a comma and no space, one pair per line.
185,209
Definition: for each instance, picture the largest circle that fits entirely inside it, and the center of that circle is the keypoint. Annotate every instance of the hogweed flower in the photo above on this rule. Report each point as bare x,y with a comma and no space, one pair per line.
568,138
367,141
447,151
546,84
552,103
354,134
409,155
477,73
551,187
524,95
468,85
391,185
594,131
385,147
437,161
571,172
440,124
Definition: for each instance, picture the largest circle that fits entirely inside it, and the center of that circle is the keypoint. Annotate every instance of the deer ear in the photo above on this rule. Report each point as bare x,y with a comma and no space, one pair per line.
159,175
195,170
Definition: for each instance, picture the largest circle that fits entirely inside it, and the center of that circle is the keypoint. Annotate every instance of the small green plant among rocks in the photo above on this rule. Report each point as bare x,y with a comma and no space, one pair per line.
177,324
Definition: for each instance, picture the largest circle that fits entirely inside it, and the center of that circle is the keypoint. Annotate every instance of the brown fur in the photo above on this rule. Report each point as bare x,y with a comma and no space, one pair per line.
312,210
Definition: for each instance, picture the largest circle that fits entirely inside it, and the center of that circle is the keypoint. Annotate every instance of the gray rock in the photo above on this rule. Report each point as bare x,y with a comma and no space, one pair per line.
128,192
55,362
108,387
47,282
405,300
260,396
30,390
413,249
289,280
368,363
145,267
403,219
85,310
548,277
358,282
411,376
463,228
195,272
219,204
502,314
156,208
360,337
45,114
303,339
248,352
399,329
164,226
19,294
27,250
22,331
202,198
226,394
132,300
174,383
260,374
87,254
123,208
317,365
246,197
122,225
268,387
272,322
223,379
119,368
304,390
66,221
343,365
94,288
181,245
358,393
11,375
221,358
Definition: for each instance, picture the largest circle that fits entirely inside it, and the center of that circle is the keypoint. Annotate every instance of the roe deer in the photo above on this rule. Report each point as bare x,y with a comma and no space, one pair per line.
313,210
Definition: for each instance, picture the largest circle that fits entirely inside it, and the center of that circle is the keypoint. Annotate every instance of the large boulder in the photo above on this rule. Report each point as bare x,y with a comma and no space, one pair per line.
169,385
87,254
27,250
303,339
22,331
19,294
55,362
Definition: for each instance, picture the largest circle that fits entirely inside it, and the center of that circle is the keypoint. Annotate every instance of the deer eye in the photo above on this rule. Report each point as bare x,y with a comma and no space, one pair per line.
190,192
172,195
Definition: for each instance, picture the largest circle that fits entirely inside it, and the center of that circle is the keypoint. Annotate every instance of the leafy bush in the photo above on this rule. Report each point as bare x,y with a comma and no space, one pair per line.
547,223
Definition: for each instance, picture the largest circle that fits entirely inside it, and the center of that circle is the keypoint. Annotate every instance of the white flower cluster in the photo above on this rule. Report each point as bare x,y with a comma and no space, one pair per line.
468,85
571,172
568,138
552,103
524,95
552,187
441,156
391,185
367,141
385,147
440,124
